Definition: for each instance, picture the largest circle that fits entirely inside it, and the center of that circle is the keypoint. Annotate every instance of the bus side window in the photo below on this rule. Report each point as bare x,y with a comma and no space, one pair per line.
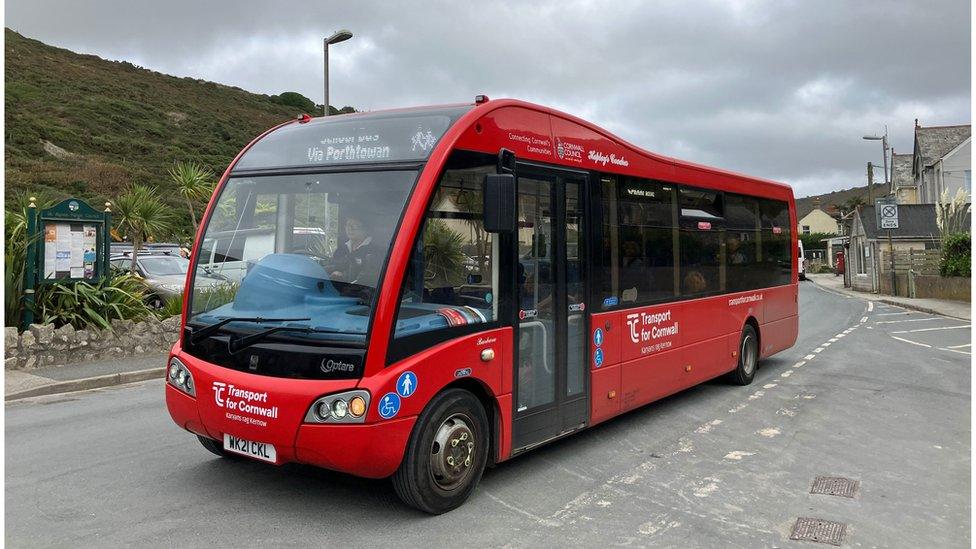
452,277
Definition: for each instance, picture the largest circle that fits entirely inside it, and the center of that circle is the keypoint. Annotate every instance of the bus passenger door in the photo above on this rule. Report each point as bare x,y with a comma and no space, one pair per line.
550,363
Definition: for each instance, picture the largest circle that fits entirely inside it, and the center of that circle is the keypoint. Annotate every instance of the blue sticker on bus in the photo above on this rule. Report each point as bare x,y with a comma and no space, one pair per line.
598,357
598,337
389,405
406,384
610,301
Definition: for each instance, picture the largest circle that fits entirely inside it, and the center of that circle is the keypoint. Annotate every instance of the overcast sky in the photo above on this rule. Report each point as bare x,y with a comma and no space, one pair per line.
777,89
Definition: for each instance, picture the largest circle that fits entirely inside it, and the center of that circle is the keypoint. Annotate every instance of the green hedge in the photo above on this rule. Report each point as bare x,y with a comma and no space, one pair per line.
956,255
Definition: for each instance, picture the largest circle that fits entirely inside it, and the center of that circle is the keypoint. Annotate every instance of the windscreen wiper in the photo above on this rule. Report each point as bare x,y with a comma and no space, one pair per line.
238,344
200,334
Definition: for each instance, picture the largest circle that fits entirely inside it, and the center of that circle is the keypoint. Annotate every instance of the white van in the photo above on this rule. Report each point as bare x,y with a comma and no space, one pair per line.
801,261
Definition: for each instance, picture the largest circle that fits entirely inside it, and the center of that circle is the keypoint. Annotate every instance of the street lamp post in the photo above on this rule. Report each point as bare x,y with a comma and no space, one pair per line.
340,36
884,154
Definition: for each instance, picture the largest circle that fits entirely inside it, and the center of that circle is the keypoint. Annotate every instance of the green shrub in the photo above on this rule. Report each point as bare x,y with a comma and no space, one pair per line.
956,255
172,307
92,305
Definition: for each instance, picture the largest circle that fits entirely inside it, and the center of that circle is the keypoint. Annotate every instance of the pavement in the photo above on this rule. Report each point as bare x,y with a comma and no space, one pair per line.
82,376
870,392
946,307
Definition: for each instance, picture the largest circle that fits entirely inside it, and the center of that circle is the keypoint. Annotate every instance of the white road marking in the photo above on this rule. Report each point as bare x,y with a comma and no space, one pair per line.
757,394
739,407
932,329
818,350
908,320
912,342
957,351
738,455
787,373
870,306
864,319
892,314
959,346
833,339
827,344
768,432
800,363
840,335
509,506
810,357
769,386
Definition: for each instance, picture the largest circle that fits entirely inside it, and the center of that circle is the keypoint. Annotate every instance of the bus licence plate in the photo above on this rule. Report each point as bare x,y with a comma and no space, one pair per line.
256,450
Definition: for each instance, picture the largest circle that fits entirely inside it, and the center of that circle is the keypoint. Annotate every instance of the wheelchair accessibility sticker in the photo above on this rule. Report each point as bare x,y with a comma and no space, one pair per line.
388,406
598,357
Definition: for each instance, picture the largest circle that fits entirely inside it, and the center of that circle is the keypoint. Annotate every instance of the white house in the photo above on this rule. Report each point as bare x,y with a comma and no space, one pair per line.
941,161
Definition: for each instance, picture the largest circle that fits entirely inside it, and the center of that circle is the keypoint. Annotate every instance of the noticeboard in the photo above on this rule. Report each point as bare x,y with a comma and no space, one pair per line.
72,243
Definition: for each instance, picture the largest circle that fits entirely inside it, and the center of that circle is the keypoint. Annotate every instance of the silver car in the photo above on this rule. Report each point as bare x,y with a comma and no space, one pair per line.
165,274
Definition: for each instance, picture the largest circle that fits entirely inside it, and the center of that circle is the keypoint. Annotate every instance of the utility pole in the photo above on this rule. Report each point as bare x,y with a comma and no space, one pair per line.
870,184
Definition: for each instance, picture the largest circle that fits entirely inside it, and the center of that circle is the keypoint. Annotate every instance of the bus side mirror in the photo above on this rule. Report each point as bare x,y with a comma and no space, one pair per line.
499,202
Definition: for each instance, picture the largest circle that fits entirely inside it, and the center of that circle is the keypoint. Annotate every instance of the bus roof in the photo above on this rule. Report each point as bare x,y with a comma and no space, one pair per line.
410,134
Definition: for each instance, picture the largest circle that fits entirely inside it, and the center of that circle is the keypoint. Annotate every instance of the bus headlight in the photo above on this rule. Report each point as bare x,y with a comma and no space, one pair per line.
339,408
180,377
347,407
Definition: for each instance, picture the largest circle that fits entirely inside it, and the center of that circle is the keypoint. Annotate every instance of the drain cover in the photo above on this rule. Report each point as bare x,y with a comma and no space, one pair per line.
834,486
818,530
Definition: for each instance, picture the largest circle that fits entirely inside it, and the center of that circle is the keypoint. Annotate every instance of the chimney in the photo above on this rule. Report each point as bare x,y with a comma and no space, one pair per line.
916,122
816,203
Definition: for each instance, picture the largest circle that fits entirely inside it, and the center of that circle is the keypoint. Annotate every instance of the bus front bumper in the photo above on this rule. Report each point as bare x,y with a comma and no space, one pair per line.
372,450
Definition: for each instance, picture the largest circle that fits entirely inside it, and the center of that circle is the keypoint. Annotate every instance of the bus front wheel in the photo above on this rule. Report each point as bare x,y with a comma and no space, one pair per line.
446,453
745,370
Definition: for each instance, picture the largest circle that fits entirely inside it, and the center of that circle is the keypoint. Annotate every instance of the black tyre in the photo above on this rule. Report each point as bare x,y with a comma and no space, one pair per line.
215,447
745,371
446,453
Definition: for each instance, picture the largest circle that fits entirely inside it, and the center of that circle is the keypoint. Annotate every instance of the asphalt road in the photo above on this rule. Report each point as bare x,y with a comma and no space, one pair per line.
865,394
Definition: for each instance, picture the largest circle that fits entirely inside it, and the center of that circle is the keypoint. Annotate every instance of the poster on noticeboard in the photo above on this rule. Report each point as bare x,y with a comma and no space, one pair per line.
69,251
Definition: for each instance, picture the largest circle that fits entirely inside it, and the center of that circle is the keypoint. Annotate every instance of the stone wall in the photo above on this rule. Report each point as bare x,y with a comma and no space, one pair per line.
45,345
934,286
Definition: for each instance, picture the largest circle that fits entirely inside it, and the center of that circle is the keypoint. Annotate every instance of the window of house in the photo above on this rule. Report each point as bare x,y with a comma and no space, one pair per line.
805,229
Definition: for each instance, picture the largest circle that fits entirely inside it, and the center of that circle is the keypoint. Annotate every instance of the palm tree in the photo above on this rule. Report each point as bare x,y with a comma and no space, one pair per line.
193,181
142,214
852,203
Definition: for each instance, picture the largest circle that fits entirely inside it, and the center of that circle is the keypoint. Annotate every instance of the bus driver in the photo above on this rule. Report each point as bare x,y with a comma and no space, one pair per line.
355,260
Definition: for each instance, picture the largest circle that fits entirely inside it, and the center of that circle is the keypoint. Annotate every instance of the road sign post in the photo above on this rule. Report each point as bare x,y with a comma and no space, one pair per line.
886,210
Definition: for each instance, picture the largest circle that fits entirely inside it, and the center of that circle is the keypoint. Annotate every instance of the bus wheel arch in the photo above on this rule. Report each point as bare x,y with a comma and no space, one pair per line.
481,391
755,326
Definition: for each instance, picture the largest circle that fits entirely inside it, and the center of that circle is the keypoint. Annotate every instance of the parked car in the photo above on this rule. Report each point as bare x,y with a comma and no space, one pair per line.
164,273
119,248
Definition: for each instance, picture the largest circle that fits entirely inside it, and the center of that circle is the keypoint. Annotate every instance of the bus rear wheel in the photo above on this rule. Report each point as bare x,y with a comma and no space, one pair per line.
446,453
745,371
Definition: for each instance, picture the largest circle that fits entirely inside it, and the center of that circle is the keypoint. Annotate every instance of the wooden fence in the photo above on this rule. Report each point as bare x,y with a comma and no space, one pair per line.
922,262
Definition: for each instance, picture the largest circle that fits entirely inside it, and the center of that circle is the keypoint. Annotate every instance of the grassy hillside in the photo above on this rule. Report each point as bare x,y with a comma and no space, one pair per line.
83,126
839,198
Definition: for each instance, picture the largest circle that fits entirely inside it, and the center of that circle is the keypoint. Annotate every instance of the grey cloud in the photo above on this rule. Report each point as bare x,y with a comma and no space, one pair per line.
777,89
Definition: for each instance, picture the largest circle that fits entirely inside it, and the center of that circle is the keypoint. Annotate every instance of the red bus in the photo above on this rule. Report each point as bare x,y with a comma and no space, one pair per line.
421,293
